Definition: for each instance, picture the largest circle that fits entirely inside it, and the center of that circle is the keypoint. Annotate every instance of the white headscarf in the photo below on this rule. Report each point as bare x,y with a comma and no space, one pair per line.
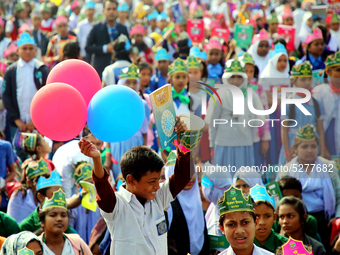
272,76
260,62
305,29
191,203
249,176
122,82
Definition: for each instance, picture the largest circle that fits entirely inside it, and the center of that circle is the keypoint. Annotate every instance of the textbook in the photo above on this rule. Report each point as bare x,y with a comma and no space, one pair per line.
243,35
165,115
89,200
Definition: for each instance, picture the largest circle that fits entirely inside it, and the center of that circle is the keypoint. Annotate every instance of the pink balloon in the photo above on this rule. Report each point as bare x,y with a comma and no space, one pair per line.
79,75
59,111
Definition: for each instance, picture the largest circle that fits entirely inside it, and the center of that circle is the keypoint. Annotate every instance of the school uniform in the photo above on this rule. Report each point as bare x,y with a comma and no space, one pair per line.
157,80
41,41
85,222
8,225
111,73
72,24
180,105
83,29
4,42
47,25
273,242
256,251
317,247
215,71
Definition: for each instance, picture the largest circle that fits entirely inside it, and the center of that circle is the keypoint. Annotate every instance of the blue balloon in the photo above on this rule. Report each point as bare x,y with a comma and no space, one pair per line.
115,113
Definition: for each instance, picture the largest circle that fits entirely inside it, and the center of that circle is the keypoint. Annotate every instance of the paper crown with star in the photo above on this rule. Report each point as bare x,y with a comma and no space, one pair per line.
36,168
29,141
259,193
234,66
25,251
234,201
161,54
279,48
178,66
195,52
306,133
317,34
130,72
53,180
193,62
57,200
137,29
24,39
303,70
246,58
123,8
83,171
333,60
272,18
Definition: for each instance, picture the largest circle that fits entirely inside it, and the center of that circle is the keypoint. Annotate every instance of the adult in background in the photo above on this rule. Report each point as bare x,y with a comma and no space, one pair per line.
102,35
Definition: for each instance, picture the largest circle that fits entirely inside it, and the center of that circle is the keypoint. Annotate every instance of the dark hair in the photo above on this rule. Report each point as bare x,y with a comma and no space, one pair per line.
2,135
33,154
120,53
288,182
182,46
204,70
110,1
42,192
257,203
324,32
143,65
139,160
298,206
24,185
280,40
71,50
252,214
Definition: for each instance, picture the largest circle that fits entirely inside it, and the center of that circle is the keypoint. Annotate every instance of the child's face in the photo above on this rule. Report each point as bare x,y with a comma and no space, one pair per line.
35,247
273,27
98,143
334,75
123,15
56,221
239,229
236,80
22,14
90,12
263,48
183,27
310,22
36,21
131,83
316,47
13,56
242,185
289,21
145,76
282,63
138,39
44,147
266,218
195,74
250,71
160,7
304,82
147,186
291,192
62,29
191,183
76,10
162,24
45,15
163,65
179,81
214,56
335,26
27,52
152,23
307,151
289,219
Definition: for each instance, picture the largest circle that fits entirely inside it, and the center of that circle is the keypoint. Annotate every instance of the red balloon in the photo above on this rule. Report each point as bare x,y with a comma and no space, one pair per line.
59,111
79,75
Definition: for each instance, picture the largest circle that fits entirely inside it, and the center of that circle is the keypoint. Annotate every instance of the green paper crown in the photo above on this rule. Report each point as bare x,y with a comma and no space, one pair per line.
19,7
193,62
29,141
171,160
234,66
36,168
335,18
62,12
247,59
178,66
333,60
306,133
45,7
234,201
272,18
131,72
83,171
57,200
303,70
25,251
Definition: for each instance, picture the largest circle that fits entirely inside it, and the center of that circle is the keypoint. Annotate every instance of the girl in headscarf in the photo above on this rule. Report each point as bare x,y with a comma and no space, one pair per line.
185,218
259,50
306,27
246,178
230,143
25,240
275,76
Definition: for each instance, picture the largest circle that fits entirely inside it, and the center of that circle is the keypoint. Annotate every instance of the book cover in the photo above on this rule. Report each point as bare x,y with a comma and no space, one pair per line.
165,115
243,35
177,12
195,29
288,32
221,33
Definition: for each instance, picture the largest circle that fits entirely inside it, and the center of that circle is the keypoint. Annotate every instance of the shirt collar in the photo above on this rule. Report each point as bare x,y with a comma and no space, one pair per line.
108,26
127,195
269,243
313,60
22,63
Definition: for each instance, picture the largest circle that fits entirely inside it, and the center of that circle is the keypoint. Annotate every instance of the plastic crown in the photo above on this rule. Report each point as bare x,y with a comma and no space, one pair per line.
162,55
24,39
317,34
123,8
279,48
60,19
10,49
262,36
286,14
57,200
306,133
195,52
193,62
54,180
259,193
157,2
138,29
75,4
234,201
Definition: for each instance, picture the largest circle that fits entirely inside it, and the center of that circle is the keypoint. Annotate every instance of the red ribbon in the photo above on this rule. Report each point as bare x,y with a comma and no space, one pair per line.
334,89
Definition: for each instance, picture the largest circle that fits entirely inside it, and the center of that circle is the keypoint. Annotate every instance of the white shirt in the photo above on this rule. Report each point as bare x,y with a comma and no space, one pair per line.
108,75
10,25
83,29
64,160
3,45
72,24
26,88
256,251
136,229
67,249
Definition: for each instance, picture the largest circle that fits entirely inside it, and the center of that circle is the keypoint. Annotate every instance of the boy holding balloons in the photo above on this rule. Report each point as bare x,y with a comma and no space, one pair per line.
22,80
135,214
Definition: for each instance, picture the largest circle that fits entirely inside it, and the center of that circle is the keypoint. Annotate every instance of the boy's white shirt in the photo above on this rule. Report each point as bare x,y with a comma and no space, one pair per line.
136,229
256,251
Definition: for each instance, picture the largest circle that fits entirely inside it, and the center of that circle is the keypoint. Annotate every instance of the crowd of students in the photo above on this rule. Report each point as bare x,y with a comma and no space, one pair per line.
155,200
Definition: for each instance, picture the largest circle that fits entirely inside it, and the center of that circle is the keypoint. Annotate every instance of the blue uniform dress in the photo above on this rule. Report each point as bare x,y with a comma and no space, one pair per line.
317,63
157,80
215,71
302,120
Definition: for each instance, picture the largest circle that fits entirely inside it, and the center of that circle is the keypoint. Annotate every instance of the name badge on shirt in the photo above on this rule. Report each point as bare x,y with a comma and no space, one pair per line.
161,228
